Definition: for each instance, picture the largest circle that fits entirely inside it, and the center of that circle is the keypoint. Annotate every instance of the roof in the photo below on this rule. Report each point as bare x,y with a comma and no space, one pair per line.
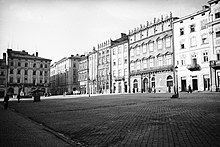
24,54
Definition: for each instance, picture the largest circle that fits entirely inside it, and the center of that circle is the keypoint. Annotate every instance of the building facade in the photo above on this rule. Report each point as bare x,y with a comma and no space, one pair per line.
214,31
27,72
120,65
93,71
3,76
104,67
192,51
151,56
83,73
64,75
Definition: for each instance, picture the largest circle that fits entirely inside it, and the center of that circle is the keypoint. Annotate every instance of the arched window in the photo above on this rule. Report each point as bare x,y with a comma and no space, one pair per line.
135,83
169,81
153,82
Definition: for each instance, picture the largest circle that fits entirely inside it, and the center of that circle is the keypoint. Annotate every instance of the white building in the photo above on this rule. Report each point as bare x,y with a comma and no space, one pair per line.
214,30
120,65
192,51
93,60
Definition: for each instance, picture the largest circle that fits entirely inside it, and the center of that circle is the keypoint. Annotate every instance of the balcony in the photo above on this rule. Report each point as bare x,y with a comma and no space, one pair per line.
193,67
215,64
120,78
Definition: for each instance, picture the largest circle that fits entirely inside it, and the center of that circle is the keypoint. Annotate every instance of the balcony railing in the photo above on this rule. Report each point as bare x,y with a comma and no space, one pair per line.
120,78
193,67
215,64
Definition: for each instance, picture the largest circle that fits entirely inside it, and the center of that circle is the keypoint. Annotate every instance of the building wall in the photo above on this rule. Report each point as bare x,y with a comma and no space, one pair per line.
3,76
151,54
93,72
196,50
120,65
83,75
27,72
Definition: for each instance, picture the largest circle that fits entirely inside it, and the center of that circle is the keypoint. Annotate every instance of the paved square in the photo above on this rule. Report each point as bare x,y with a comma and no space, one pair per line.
131,119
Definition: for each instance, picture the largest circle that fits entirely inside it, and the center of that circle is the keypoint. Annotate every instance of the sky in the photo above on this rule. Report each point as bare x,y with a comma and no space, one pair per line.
61,28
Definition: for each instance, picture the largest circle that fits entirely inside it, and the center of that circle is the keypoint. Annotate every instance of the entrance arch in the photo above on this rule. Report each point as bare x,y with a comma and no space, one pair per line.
145,85
135,86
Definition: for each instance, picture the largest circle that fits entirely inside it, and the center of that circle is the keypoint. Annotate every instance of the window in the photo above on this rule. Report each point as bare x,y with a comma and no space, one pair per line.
25,72
11,79
192,28
34,81
169,60
181,31
74,64
151,46
217,15
193,41
205,39
125,61
132,66
151,62
159,44
119,49
138,65
204,24
160,61
19,63
132,52
169,81
125,48
114,62
26,80
217,34
34,72
182,44
12,63
18,71
107,59
138,50
125,71
119,73
182,60
144,48
168,40
113,51
119,61
26,65
45,73
18,80
205,56
34,65
218,56
11,71
114,73
45,65
107,51
41,73
194,59
145,63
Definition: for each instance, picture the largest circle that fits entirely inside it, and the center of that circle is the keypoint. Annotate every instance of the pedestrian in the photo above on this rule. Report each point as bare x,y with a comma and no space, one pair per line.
189,89
169,89
18,97
6,99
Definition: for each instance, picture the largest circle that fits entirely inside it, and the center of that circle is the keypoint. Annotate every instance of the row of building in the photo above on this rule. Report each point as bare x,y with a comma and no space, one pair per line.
166,55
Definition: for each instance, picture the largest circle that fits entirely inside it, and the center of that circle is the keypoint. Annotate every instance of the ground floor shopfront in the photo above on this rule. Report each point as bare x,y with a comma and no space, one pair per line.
120,85
198,80
156,82
215,75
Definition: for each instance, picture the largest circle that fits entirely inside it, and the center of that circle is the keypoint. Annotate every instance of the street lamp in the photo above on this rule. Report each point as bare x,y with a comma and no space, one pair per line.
176,91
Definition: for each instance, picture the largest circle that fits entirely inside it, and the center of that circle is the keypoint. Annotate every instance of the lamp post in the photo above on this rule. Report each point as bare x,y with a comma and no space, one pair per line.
176,91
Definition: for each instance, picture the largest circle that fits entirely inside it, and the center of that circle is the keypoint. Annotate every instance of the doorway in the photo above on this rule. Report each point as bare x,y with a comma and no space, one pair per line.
195,84
183,84
145,84
206,83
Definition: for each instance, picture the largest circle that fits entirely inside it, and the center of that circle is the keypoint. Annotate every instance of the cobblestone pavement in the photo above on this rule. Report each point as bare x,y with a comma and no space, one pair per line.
132,119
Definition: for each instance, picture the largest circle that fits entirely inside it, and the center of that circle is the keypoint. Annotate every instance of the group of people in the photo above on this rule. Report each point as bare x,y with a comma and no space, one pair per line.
7,97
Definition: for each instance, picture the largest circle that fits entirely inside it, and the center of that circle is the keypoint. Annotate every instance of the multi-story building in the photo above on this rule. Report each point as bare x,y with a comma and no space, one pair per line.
93,71
120,65
104,67
214,30
192,51
3,76
27,72
64,75
83,73
151,56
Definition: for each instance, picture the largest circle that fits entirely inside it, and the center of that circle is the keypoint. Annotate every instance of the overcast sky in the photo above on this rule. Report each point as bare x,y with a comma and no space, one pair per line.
59,28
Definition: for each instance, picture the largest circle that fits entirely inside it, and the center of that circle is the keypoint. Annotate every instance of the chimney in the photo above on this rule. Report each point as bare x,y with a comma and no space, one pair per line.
36,54
123,35
4,56
204,7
